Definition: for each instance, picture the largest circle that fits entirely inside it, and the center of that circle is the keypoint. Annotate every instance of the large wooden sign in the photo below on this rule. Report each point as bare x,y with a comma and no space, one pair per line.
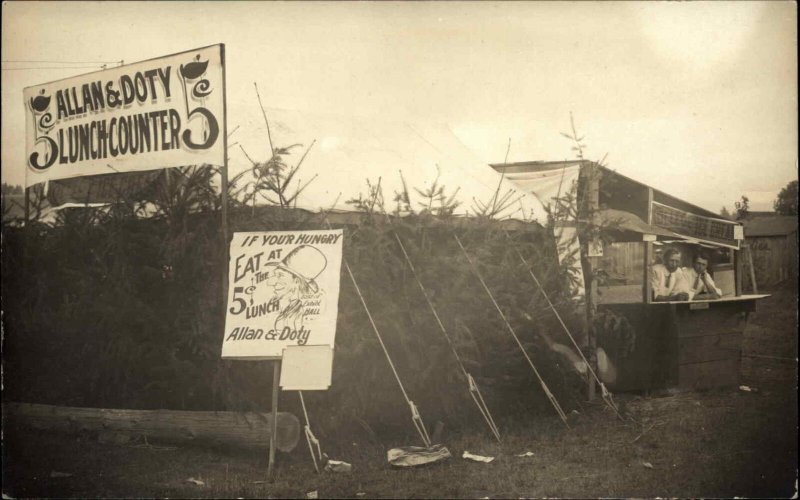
160,113
283,290
696,226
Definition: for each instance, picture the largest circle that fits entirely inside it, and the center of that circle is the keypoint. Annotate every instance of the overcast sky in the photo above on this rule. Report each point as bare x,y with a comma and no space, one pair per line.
696,99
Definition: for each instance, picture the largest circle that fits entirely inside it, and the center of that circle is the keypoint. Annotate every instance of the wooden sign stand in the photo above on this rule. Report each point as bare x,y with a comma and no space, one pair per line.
276,374
307,368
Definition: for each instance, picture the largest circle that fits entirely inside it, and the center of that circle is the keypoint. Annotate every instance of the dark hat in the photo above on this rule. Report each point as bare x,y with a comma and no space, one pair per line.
304,262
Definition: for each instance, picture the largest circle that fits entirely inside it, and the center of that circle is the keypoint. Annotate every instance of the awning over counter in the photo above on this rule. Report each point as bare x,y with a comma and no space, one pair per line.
626,226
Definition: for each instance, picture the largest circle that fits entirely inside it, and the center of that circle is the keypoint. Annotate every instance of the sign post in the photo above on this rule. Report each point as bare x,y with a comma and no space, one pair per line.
224,177
307,368
276,373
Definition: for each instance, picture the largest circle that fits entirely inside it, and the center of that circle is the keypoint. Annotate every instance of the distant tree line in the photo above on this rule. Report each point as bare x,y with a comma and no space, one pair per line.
11,189
786,202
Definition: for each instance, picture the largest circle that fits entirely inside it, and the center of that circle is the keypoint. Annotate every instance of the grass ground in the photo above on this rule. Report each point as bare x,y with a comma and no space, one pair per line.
718,443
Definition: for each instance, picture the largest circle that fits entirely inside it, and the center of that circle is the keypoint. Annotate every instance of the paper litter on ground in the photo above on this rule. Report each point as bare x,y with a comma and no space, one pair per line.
195,481
338,466
412,456
526,454
476,458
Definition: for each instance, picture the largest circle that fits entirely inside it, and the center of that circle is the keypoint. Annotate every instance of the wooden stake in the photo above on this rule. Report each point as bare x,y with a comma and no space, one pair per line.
276,374
591,304
592,176
648,253
739,269
752,269
27,211
224,187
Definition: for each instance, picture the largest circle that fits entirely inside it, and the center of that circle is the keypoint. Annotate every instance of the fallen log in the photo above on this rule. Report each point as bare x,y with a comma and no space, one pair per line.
240,429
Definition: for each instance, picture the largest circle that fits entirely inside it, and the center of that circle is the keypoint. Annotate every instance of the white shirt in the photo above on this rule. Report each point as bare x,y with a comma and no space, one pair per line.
665,283
697,285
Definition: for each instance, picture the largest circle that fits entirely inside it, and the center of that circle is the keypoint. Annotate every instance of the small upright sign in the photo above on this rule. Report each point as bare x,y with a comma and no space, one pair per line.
283,290
307,368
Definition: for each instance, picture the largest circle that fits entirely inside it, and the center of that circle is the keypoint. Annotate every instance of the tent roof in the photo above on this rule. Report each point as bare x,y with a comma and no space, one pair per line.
543,166
350,150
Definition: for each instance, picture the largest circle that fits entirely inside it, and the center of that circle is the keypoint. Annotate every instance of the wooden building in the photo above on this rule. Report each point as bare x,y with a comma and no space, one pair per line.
651,344
772,240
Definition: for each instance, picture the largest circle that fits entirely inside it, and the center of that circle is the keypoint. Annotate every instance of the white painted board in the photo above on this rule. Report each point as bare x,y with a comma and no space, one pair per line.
306,368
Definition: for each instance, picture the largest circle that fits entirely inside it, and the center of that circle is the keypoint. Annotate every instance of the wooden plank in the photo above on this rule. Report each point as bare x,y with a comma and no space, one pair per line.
745,301
753,282
708,321
647,292
241,429
737,259
709,347
276,373
591,173
720,373
619,294
725,280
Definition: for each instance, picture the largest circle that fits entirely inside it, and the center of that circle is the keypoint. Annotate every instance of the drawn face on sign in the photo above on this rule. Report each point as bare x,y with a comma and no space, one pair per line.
285,285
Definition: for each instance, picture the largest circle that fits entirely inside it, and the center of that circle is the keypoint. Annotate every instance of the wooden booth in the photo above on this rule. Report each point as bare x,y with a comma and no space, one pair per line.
647,344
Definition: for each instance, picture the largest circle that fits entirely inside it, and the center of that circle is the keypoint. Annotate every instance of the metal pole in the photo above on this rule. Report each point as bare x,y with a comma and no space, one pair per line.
276,374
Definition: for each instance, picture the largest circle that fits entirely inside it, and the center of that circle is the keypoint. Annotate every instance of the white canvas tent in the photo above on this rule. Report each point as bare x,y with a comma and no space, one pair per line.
350,150
550,188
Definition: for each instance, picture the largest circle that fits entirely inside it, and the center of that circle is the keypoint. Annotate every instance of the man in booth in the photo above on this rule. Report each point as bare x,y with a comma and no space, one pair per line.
702,286
668,280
